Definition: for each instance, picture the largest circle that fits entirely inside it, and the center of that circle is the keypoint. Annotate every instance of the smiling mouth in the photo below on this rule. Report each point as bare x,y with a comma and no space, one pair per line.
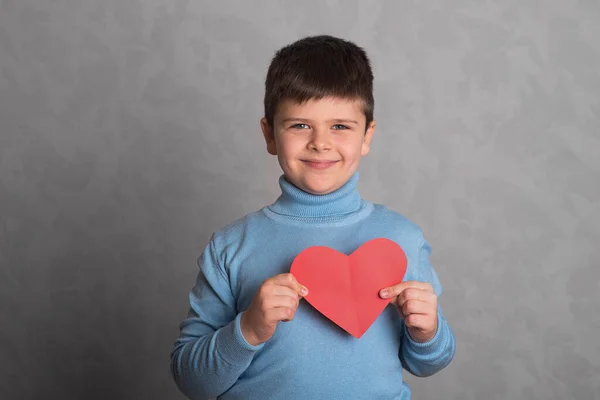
319,164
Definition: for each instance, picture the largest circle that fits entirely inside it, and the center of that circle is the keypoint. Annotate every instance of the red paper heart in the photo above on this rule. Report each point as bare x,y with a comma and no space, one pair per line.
346,288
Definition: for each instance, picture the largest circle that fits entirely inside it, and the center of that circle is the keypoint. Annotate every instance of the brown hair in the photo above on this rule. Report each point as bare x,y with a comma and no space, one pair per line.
319,66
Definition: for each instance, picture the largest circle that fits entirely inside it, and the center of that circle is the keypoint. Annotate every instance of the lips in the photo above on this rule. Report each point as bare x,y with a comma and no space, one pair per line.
319,164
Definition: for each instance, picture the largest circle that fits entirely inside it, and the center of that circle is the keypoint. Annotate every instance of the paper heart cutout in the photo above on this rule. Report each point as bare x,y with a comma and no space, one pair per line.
346,288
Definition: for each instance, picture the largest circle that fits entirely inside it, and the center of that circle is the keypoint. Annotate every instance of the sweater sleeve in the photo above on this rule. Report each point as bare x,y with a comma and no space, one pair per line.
426,359
211,352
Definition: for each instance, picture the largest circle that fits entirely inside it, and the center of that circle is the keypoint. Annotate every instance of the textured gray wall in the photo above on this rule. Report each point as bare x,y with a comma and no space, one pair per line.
129,133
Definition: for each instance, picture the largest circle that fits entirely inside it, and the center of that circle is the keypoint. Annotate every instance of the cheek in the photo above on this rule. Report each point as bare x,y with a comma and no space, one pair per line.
351,148
289,147
292,144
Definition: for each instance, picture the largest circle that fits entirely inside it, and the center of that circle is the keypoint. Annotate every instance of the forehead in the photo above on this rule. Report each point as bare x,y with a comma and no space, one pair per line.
325,108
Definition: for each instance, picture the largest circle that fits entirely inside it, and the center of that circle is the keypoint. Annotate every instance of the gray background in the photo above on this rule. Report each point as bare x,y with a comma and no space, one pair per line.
129,133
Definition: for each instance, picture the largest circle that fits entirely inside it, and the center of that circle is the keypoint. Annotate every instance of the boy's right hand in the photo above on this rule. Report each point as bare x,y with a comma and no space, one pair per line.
276,300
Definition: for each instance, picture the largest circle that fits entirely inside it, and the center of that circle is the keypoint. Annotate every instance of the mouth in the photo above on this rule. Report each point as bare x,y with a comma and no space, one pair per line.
319,164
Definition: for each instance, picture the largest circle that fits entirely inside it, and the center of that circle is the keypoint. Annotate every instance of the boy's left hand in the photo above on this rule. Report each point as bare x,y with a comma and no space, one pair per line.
418,305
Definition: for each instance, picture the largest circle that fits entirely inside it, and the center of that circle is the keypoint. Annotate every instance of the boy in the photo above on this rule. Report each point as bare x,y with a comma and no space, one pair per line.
248,335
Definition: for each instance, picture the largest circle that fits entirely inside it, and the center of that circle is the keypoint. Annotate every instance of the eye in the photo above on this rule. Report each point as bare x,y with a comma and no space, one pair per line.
340,127
300,126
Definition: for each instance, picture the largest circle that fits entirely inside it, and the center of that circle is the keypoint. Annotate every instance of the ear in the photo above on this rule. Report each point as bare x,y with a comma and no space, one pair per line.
269,135
366,145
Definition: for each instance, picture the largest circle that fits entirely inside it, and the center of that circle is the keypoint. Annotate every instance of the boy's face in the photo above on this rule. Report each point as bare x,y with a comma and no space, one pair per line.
319,143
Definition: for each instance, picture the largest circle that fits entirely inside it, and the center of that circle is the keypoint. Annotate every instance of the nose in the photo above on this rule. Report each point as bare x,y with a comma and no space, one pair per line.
320,140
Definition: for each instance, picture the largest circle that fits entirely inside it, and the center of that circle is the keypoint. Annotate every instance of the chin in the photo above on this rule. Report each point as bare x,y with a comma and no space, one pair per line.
318,192
317,184
321,189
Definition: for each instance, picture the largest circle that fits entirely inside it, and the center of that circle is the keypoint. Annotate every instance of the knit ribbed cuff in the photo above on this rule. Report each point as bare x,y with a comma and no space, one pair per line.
435,345
232,345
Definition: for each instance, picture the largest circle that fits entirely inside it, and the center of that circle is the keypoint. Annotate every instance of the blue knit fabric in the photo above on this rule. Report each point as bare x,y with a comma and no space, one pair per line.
308,357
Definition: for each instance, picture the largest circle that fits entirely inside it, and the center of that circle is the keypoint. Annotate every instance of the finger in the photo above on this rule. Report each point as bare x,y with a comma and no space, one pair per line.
417,321
278,314
281,301
290,281
395,290
415,294
272,289
416,307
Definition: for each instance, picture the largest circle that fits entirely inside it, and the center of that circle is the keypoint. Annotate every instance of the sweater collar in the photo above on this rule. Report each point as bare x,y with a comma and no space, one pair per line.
296,203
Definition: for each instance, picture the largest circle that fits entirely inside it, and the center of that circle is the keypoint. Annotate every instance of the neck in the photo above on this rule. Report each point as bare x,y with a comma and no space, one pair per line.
296,203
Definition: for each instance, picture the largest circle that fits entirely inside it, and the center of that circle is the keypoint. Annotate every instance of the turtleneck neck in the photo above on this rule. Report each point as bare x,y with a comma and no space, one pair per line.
297,204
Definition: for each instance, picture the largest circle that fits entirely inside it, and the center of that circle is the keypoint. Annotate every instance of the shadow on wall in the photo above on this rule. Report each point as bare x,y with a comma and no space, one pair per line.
95,242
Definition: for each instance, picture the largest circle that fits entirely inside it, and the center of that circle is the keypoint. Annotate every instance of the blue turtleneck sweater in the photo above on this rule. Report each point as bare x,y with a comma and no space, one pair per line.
308,357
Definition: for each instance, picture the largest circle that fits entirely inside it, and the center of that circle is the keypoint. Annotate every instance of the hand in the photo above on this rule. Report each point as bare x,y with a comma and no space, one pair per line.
276,300
418,305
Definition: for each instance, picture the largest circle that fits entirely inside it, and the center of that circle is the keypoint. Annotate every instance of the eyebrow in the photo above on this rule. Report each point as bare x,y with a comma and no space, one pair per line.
336,120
